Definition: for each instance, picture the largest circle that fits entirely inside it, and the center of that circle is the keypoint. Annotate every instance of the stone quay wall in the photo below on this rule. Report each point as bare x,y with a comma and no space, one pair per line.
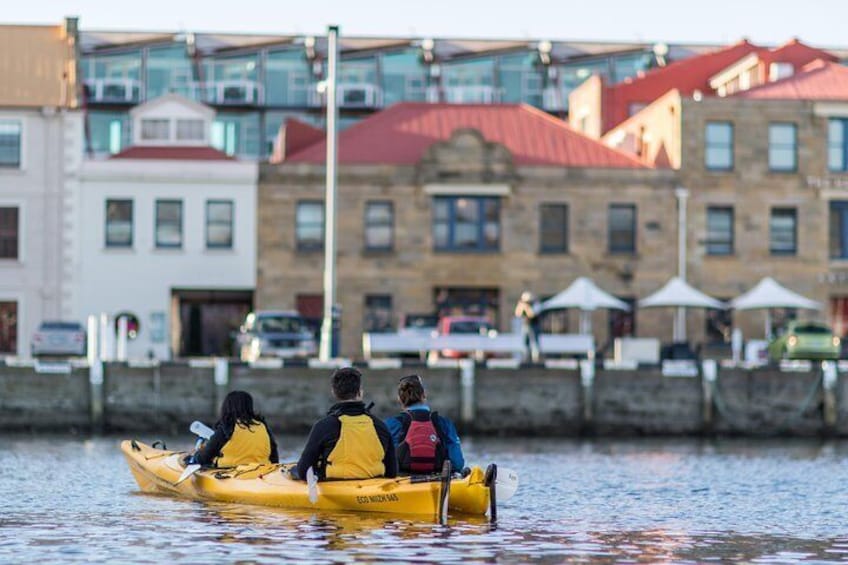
525,401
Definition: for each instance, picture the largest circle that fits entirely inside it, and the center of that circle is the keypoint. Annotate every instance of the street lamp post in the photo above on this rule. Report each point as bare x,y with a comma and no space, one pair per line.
326,348
680,321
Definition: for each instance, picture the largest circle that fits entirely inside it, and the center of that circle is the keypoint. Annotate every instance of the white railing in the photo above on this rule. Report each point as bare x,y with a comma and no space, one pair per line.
113,90
472,94
359,95
553,99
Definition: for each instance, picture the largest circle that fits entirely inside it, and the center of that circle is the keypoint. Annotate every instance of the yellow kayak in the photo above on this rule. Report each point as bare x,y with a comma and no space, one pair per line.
158,470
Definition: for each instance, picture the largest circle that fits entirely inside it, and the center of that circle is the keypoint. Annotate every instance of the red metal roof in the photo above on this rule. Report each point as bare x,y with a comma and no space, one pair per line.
172,153
402,133
796,53
820,80
686,75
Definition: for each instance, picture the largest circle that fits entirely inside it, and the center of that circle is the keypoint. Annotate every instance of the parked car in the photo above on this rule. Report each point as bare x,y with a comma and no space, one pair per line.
282,334
460,325
805,340
65,339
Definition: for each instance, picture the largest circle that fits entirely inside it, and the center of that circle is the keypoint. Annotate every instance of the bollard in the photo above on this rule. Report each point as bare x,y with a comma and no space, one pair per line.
222,380
829,381
95,380
466,368
709,375
121,348
91,346
105,354
587,381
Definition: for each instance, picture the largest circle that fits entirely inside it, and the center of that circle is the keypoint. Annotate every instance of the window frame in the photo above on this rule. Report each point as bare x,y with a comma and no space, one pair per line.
368,308
300,246
113,245
390,223
611,249
168,123
794,147
783,209
451,246
20,163
562,249
843,146
157,222
231,224
731,147
17,232
840,209
732,236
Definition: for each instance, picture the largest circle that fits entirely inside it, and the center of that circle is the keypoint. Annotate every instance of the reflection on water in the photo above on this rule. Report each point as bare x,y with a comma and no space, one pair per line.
74,500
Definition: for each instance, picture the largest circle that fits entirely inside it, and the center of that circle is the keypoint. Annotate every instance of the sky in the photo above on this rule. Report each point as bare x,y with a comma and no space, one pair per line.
818,22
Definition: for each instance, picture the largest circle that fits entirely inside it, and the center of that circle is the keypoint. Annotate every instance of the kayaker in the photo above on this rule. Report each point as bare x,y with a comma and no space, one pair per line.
349,443
423,439
241,436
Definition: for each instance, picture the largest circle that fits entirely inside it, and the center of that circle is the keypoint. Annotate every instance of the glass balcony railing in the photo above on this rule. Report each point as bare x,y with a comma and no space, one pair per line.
117,90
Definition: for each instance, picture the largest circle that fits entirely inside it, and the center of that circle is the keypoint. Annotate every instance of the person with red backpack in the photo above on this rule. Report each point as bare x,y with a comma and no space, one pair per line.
423,439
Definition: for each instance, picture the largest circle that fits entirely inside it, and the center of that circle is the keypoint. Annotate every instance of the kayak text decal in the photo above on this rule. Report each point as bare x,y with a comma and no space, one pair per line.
377,498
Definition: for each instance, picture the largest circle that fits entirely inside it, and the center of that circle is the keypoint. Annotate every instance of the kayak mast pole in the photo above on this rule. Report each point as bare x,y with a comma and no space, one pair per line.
326,348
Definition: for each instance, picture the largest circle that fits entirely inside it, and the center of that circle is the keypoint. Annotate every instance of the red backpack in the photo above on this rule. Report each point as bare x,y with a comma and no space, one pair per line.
422,449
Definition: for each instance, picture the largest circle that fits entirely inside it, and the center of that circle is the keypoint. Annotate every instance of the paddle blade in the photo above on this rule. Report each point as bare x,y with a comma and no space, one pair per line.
189,471
312,485
201,430
506,484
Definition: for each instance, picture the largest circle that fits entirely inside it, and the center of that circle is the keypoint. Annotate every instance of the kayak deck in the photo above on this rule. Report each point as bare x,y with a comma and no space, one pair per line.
157,471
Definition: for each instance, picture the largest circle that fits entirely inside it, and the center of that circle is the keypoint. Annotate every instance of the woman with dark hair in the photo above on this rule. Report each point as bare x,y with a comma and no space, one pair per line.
423,439
241,436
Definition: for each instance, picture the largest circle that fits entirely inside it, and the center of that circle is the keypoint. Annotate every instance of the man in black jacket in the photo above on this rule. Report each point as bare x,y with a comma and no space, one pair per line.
349,443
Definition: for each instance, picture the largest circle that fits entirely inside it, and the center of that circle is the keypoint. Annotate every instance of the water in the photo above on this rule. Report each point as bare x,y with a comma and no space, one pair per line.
73,500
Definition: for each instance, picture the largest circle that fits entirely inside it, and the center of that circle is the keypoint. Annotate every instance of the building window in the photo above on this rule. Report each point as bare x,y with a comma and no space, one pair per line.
119,223
783,154
622,228
718,146
839,229
622,323
465,301
719,230
379,226
155,129
719,325
9,327
553,228
219,224
169,223
462,223
783,231
9,225
10,144
309,226
837,145
190,130
378,313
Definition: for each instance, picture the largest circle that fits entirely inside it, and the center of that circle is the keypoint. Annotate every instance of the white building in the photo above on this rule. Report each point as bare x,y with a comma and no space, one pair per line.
166,234
41,134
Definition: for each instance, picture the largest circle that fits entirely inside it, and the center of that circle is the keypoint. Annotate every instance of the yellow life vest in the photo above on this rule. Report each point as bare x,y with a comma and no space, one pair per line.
359,453
246,445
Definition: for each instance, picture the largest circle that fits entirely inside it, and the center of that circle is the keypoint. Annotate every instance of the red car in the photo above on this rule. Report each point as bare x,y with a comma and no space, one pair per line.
461,325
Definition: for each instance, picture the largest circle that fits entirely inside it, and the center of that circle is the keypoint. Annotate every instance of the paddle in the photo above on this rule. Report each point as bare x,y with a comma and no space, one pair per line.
202,431
312,485
189,471
444,493
506,483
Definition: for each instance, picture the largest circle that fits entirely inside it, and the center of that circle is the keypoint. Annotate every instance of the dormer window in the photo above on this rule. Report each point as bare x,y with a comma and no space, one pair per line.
172,120
779,71
190,130
155,129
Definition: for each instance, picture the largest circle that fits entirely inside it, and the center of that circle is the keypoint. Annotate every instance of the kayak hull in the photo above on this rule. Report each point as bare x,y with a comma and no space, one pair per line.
157,470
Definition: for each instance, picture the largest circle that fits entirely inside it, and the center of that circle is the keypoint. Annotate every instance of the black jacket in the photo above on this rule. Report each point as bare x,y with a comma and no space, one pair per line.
325,433
207,454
